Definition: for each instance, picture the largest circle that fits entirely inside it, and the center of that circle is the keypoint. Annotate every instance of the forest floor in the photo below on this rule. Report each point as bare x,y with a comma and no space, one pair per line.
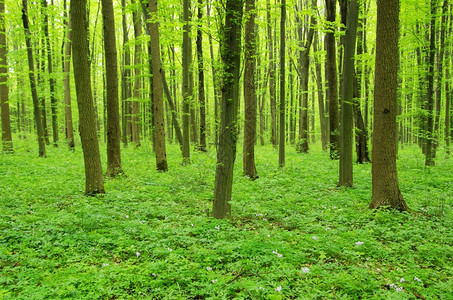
293,234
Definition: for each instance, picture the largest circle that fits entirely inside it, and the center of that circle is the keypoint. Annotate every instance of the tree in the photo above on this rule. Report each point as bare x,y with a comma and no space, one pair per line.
7,139
159,124
31,74
385,190
94,182
347,124
114,167
226,153
135,106
201,92
249,167
186,46
281,147
272,96
332,80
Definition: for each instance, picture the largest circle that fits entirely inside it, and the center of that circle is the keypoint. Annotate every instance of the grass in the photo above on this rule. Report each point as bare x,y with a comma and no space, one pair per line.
294,235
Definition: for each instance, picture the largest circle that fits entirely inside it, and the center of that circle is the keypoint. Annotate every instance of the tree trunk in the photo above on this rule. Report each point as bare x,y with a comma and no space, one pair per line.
430,137
36,105
273,101
67,88
226,154
201,95
135,118
282,135
113,114
249,167
332,80
87,120
214,78
320,89
186,45
385,188
125,81
7,139
159,123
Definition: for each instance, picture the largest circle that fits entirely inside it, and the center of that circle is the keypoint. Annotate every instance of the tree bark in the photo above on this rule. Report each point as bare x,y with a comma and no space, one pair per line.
135,105
67,87
159,123
319,87
7,140
282,135
114,167
201,94
125,81
186,45
249,167
31,73
272,96
385,188
332,79
226,154
94,182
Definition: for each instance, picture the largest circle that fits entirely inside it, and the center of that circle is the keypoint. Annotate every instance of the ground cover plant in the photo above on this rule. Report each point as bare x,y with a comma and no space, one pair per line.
293,234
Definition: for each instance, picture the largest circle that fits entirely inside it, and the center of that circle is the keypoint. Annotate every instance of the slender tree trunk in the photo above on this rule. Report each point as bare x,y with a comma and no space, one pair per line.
385,189
94,182
429,155
186,45
174,114
226,154
7,139
31,73
67,88
113,114
135,118
273,101
159,124
201,94
319,87
249,167
282,135
332,80
125,81
347,122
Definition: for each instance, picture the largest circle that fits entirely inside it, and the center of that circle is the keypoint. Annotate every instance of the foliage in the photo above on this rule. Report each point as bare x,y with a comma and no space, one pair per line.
293,234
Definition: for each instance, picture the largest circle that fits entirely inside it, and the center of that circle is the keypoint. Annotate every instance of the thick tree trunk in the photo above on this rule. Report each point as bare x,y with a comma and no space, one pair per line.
113,114
385,188
87,120
31,73
249,167
7,140
226,154
186,46
332,80
159,123
282,135
201,94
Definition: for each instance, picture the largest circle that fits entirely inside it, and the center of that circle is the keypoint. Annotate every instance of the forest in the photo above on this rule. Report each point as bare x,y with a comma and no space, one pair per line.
232,149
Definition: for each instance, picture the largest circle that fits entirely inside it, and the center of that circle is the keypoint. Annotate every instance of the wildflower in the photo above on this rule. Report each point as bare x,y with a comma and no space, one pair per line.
208,269
105,265
268,235
137,253
305,270
275,252
214,280
359,243
154,274
191,225
328,228
264,219
314,237
279,255
279,289
261,288
259,215
127,216
417,279
169,249
398,289
424,210
402,280
217,227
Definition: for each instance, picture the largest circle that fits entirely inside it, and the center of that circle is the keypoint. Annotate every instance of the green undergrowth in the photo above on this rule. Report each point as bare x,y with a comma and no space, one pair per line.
293,235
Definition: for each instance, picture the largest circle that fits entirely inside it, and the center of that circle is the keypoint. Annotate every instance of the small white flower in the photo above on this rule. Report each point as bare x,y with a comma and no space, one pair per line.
275,252
261,288
268,235
217,227
279,255
191,225
398,289
208,269
314,237
402,280
279,289
137,253
424,210
259,215
328,228
154,274
264,219
305,270
392,285
105,265
417,279
359,243
214,281
169,249
127,216
324,206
